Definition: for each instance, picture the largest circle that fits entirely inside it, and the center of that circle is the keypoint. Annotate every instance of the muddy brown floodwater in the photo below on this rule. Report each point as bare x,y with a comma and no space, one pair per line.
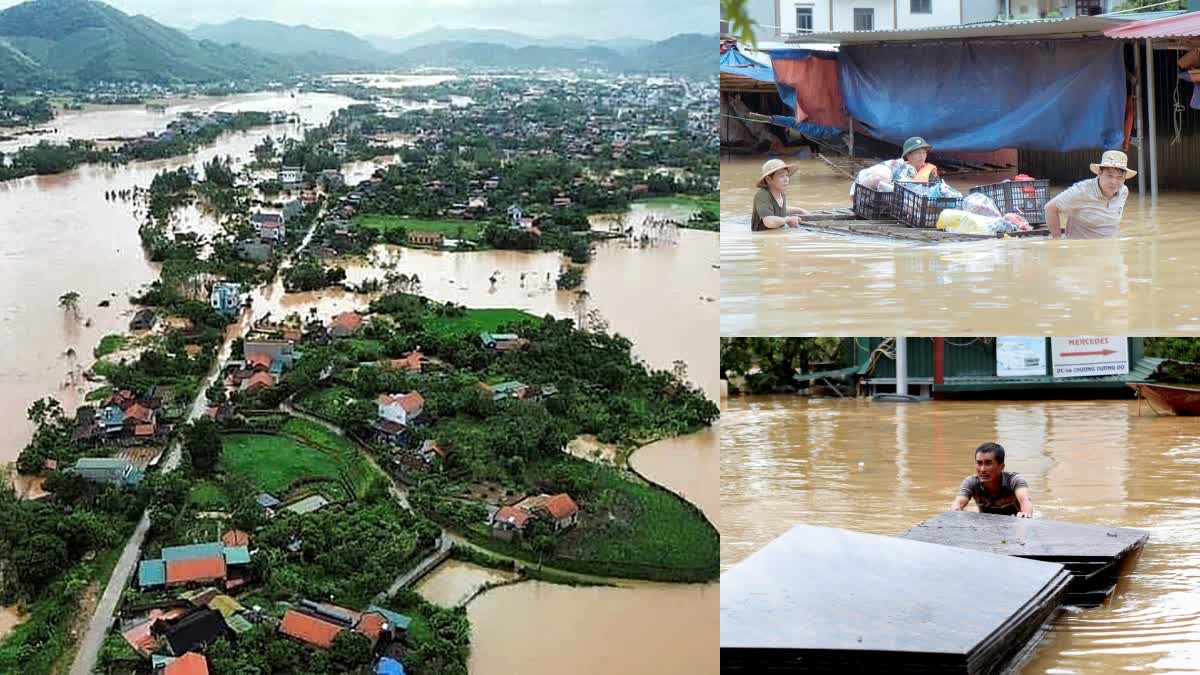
59,234
788,460
797,282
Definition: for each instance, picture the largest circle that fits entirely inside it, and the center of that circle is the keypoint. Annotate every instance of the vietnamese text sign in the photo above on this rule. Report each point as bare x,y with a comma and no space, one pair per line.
1020,356
1086,356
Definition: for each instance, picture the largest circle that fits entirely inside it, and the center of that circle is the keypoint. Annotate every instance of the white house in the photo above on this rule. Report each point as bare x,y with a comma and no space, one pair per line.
400,408
291,175
797,17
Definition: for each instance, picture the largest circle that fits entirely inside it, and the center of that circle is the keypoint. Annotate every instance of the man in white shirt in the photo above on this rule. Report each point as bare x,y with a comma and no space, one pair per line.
1093,207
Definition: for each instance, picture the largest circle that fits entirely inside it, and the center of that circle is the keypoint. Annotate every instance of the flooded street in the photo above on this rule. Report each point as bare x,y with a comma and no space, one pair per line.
60,234
797,282
789,460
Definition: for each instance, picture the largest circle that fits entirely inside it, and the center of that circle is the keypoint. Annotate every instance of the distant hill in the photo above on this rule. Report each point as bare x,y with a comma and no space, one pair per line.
686,54
47,42
75,42
276,38
439,35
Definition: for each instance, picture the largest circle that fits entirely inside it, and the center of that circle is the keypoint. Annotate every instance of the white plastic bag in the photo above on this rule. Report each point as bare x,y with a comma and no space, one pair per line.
981,204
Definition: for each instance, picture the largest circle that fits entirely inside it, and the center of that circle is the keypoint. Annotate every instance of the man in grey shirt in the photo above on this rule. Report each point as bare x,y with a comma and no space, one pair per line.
1093,207
994,489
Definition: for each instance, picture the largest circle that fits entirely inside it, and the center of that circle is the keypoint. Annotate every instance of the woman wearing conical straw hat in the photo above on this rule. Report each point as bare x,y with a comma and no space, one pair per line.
1093,207
771,211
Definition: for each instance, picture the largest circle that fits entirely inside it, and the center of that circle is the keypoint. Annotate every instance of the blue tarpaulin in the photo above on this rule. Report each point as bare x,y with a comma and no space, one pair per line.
734,62
1047,95
388,666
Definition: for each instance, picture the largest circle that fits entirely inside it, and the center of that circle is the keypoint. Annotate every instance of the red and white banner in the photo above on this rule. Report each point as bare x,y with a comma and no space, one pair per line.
1088,356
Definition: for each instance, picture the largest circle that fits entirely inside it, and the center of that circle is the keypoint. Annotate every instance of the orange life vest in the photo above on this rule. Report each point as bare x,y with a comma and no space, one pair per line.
926,173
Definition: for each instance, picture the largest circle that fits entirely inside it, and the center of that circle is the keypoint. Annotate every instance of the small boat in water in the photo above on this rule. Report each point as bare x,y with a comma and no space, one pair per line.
845,221
1179,399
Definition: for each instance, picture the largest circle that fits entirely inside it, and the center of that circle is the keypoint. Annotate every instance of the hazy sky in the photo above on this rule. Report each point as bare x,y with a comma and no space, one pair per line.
654,19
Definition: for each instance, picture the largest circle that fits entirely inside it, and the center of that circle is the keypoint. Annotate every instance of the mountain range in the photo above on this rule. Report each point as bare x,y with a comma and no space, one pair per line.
76,42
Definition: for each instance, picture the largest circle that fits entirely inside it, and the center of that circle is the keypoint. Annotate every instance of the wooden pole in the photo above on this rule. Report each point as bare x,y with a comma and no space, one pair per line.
1151,103
1141,121
851,117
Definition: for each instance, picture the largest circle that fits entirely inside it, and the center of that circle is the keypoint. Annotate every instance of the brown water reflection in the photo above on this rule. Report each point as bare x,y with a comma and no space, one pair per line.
535,627
454,581
788,460
799,282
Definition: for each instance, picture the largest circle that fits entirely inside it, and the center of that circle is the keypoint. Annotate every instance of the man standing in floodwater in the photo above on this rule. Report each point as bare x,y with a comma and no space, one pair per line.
1093,207
994,489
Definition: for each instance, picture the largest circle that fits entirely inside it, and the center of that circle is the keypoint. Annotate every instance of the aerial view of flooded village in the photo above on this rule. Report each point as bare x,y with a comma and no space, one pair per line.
336,340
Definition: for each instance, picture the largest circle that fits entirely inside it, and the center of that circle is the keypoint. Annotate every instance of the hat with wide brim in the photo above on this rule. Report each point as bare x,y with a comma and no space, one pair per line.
771,166
1114,159
913,144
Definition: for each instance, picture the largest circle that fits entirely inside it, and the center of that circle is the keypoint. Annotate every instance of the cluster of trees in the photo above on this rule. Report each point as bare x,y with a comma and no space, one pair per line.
309,275
769,364
14,112
47,158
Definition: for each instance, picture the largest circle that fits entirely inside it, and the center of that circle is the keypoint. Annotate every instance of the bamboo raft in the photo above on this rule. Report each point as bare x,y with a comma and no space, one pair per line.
844,221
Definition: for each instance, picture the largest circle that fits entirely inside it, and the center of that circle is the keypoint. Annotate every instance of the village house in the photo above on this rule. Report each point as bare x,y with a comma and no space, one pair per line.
291,176
193,632
124,419
111,470
345,324
559,511
340,148
226,298
191,663
269,226
562,201
431,239
144,319
431,451
308,197
319,623
196,564
413,361
400,408
502,342
280,353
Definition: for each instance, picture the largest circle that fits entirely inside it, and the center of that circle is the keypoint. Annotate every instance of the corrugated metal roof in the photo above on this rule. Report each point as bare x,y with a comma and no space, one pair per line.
192,551
1182,25
1080,26
237,555
152,573
309,629
195,569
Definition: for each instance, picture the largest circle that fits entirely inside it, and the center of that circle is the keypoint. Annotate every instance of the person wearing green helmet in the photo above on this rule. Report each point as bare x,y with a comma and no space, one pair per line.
915,152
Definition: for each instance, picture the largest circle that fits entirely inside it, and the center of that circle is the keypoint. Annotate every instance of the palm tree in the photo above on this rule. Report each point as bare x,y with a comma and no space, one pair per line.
70,302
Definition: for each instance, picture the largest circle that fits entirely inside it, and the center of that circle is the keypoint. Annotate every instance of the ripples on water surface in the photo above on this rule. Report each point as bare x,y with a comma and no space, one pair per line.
789,460
798,282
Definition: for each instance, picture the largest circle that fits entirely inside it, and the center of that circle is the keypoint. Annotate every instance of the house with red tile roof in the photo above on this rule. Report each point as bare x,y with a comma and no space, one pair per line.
414,361
309,629
258,381
260,361
190,663
345,324
400,408
560,510
195,570
509,522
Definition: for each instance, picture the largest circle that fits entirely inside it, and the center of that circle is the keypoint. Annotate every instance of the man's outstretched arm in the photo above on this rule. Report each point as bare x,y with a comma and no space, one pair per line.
1023,498
960,502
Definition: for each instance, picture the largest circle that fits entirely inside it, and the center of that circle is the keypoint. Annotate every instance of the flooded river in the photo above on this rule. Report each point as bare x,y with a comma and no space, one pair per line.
61,235
798,282
789,460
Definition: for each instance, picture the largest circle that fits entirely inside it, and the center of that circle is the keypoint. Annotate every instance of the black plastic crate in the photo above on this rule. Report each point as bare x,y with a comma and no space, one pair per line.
872,204
1026,198
917,210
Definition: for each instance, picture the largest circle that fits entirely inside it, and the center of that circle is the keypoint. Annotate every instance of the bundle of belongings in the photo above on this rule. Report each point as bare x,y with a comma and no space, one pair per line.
979,215
1189,65
883,176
